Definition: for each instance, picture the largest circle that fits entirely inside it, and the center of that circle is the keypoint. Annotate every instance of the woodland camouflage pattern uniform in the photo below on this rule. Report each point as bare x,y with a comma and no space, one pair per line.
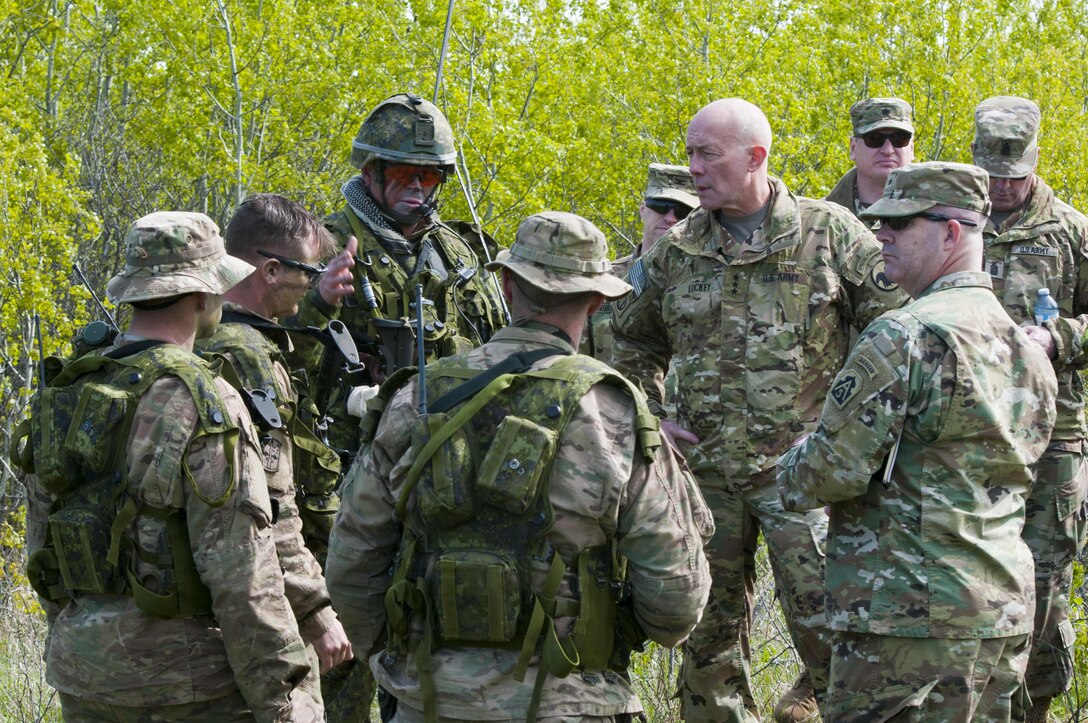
1041,245
866,116
303,582
106,656
602,487
756,333
927,572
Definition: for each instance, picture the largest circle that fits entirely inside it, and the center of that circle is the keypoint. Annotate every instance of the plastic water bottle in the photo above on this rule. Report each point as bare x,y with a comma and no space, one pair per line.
1045,307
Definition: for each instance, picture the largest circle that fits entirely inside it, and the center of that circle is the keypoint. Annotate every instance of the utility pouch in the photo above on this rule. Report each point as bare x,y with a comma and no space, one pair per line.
477,596
594,630
444,492
75,433
80,535
511,470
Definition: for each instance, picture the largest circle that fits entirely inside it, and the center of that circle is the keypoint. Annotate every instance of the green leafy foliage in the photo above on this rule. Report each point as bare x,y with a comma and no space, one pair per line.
111,109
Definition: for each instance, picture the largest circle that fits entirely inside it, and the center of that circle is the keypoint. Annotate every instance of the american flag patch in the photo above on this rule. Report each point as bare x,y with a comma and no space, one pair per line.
636,277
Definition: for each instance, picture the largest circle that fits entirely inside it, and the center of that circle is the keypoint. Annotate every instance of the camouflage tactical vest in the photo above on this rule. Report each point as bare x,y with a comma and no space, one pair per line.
77,437
249,355
478,529
463,315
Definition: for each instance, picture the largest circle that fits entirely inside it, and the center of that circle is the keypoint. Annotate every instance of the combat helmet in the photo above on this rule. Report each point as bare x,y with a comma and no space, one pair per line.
405,128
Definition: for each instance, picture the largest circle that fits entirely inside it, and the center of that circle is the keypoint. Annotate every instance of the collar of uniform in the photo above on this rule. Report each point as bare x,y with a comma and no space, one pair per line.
781,228
535,333
1033,219
279,336
957,280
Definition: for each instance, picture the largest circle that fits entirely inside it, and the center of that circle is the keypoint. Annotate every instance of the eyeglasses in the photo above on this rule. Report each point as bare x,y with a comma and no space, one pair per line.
404,173
898,223
899,139
679,210
311,271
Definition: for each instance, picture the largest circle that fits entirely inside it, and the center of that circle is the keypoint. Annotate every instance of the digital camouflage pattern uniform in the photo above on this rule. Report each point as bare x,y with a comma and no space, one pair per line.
444,258
866,116
756,332
256,356
108,657
925,451
1042,245
603,488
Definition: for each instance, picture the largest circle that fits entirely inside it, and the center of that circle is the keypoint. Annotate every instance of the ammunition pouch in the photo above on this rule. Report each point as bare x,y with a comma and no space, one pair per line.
478,527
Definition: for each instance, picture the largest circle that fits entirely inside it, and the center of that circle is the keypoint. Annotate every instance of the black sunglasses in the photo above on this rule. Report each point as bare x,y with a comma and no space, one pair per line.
899,139
312,271
898,223
678,209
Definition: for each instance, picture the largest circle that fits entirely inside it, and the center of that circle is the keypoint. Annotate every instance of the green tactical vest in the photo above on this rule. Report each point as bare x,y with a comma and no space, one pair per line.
249,356
463,314
478,529
77,437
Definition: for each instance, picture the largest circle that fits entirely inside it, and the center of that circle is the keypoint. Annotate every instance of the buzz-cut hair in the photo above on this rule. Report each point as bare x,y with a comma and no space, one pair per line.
270,222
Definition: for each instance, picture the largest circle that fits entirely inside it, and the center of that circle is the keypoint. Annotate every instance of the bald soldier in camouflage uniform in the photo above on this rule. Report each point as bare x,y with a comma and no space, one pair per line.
751,296
669,198
1033,241
161,555
283,242
883,140
924,451
552,507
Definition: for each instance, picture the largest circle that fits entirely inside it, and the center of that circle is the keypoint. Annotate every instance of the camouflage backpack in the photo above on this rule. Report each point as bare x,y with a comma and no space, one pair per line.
478,528
76,443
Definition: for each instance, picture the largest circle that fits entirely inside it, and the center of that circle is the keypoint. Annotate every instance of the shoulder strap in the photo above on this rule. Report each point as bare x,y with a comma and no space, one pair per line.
518,363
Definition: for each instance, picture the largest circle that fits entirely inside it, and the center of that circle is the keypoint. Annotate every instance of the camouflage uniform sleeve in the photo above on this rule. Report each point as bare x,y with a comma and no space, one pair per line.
304,585
857,252
365,536
236,559
640,345
663,525
862,418
1069,332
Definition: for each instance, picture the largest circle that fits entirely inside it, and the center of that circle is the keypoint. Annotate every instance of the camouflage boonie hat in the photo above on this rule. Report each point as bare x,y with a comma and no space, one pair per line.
1006,131
561,253
874,114
919,187
673,183
172,252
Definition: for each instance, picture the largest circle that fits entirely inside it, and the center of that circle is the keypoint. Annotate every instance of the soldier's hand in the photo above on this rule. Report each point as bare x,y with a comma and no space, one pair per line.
337,281
333,647
676,434
1041,336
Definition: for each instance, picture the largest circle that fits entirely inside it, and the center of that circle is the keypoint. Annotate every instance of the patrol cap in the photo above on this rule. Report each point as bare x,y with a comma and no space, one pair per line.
1006,134
174,252
918,187
874,114
673,183
561,253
